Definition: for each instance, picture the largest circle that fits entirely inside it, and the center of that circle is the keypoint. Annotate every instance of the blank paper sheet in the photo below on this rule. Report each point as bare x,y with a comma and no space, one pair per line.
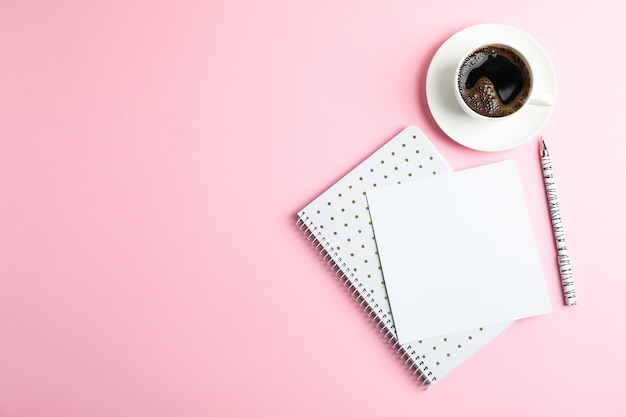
457,251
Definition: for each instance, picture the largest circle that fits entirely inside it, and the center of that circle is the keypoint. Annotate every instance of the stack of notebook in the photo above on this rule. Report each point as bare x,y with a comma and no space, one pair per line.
443,261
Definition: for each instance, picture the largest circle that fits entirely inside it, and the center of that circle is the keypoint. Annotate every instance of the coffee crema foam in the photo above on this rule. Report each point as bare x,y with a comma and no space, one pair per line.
494,81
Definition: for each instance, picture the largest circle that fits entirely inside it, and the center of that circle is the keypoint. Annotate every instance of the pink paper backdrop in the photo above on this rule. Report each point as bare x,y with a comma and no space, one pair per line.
152,158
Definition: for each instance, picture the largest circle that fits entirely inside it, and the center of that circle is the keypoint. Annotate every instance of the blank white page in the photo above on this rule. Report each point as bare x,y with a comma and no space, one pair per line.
457,251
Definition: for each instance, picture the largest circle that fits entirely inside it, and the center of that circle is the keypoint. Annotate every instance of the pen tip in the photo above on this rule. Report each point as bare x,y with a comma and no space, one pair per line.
543,148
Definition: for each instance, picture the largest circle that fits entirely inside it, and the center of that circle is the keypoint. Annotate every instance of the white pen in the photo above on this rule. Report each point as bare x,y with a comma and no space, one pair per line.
565,267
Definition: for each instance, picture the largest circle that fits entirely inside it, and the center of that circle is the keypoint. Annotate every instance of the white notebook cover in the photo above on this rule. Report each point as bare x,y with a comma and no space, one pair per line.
338,225
458,252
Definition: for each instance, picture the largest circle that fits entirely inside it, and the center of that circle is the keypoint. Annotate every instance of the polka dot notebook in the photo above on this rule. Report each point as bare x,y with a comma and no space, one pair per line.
338,225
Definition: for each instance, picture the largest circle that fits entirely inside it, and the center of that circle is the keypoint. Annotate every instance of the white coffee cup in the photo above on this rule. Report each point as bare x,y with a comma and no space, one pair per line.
495,82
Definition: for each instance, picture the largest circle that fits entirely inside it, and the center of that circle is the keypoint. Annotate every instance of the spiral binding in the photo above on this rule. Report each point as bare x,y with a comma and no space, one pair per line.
351,283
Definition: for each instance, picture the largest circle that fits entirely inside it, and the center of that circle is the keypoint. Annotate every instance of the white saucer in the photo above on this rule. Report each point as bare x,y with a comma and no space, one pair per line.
496,135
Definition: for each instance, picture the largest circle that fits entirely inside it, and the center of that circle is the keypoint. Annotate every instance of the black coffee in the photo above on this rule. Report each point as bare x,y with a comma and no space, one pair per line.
494,81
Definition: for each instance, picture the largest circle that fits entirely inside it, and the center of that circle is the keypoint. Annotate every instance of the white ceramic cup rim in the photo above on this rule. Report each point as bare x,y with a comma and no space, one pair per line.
534,98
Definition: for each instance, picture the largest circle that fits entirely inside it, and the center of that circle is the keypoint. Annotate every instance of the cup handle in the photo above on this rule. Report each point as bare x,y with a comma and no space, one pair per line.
541,99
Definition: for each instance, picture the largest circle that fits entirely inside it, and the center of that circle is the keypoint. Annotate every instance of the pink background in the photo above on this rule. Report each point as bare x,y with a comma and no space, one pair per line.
153,156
